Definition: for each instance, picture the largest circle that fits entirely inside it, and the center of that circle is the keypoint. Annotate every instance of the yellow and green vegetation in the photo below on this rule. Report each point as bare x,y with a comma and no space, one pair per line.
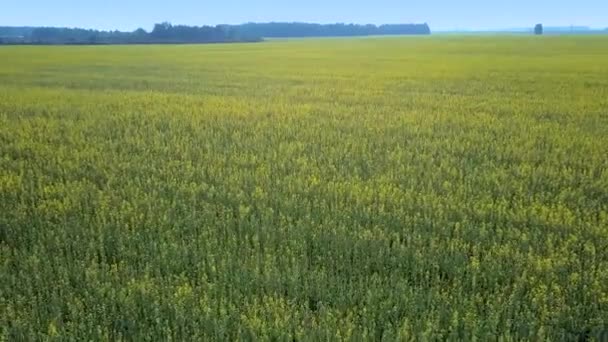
404,188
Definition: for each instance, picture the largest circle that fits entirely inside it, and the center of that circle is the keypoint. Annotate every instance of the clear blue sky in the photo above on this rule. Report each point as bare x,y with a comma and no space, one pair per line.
440,14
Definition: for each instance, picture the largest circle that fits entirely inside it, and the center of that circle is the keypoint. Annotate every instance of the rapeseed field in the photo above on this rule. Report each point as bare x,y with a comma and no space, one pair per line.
395,189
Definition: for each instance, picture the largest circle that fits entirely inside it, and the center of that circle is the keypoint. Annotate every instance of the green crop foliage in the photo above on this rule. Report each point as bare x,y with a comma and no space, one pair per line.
405,188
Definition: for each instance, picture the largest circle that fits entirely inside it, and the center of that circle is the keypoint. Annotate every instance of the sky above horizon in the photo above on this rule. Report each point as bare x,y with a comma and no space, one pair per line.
439,14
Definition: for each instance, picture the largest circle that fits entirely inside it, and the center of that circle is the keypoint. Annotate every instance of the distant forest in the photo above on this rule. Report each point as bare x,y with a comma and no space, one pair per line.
287,30
166,33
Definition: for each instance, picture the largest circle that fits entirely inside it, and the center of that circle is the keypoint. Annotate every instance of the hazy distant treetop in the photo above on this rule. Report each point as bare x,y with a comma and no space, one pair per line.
7,31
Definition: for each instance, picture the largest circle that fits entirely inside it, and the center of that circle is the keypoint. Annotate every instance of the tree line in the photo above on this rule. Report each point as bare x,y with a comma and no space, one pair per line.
162,33
166,33
286,30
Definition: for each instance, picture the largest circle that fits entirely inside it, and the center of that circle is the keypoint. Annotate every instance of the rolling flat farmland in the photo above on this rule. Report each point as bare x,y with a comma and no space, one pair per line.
402,188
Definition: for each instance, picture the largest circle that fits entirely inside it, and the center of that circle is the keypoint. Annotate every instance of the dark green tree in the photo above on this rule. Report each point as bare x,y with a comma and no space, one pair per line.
538,29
